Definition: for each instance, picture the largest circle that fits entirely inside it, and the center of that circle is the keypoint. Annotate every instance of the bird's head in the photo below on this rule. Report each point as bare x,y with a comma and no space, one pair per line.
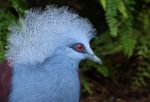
52,31
76,46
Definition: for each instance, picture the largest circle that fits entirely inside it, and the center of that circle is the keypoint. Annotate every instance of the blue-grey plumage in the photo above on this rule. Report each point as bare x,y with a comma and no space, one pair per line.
45,51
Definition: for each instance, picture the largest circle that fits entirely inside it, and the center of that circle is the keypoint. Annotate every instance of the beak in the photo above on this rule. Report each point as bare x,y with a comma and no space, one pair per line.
91,56
94,58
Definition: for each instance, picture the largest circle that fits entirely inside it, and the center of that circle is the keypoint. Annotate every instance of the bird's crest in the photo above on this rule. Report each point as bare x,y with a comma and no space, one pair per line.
35,38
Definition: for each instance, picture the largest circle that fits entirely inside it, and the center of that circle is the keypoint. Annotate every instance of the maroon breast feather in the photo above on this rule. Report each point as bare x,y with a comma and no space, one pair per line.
5,81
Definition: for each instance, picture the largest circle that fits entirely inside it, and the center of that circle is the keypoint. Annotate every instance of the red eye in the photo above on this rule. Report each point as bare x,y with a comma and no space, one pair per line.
79,47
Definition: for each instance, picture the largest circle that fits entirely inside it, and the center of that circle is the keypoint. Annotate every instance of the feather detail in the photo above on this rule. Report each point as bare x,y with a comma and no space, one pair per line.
5,81
36,38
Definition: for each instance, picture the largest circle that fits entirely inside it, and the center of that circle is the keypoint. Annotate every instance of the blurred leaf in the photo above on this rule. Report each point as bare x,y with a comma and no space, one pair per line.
128,43
20,6
103,70
5,18
146,74
103,3
121,7
111,13
86,85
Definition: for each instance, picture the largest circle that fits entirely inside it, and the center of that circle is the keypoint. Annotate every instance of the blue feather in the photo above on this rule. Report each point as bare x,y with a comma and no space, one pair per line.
45,68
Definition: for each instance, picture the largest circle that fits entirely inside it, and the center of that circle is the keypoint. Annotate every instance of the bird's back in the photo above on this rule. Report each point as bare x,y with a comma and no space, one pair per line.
5,81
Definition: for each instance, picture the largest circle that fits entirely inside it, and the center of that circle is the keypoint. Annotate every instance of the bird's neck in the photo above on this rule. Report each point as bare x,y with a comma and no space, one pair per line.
54,79
62,61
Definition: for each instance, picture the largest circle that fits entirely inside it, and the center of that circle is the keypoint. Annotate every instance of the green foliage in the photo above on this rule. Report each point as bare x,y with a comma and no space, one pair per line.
131,37
5,18
142,74
127,43
124,45
19,6
111,13
86,85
